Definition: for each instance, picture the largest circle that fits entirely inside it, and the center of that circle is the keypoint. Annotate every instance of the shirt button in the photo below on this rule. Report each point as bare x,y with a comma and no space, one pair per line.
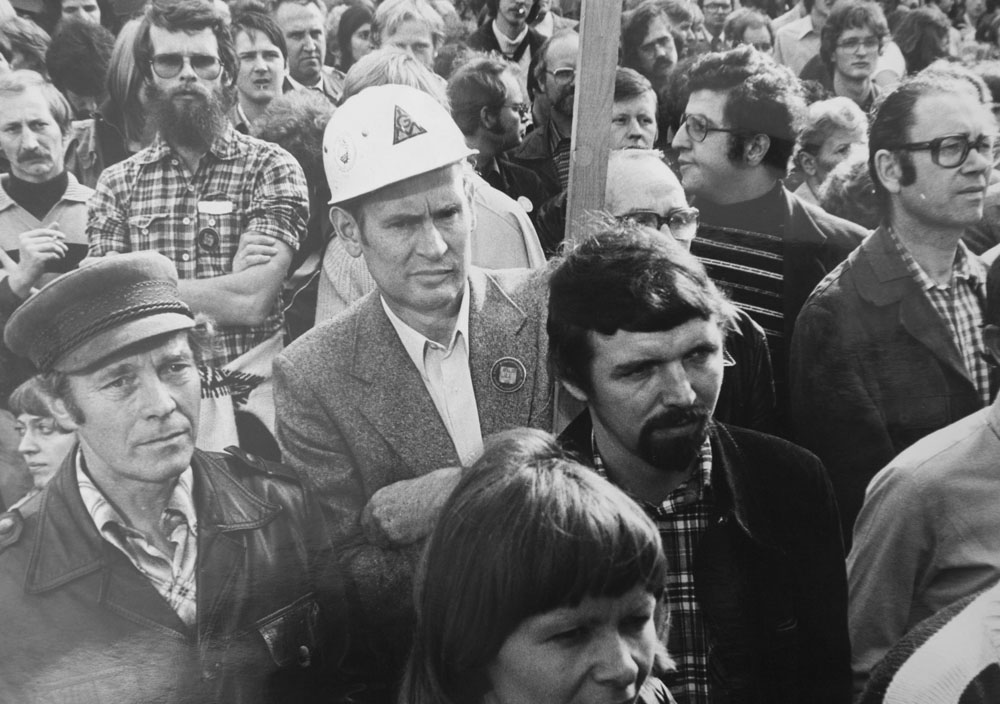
174,162
145,230
211,221
186,221
185,256
190,188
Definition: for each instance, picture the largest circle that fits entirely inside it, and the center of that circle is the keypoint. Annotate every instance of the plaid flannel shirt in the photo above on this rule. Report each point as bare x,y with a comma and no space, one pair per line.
174,577
151,202
682,518
960,305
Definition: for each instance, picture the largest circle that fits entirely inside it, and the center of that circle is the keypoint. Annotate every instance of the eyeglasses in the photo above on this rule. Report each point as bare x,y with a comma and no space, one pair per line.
763,47
869,43
698,127
205,66
716,7
682,223
523,109
563,75
952,150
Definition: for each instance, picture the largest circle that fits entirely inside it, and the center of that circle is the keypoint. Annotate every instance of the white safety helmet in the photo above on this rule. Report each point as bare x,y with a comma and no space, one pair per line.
384,135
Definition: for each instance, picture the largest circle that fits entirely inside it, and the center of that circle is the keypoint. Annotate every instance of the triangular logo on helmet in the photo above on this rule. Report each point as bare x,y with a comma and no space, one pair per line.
404,127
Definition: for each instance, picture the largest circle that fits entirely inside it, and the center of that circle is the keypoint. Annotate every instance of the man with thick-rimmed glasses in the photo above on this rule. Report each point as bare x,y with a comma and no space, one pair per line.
889,348
763,243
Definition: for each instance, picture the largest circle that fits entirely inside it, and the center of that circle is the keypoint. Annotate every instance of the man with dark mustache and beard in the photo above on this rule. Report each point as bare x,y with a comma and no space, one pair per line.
757,591
228,209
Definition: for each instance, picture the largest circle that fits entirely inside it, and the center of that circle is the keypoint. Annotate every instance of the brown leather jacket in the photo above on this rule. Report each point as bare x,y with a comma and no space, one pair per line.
82,624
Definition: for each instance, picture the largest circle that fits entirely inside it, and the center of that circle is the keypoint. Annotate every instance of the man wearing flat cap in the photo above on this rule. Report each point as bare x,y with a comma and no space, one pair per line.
148,570
382,404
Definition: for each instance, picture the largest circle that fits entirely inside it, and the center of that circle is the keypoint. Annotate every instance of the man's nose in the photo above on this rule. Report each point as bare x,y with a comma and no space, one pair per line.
675,387
156,398
614,664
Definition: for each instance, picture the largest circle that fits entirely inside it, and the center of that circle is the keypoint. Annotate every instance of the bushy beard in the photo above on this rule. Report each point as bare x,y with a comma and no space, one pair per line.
193,124
677,452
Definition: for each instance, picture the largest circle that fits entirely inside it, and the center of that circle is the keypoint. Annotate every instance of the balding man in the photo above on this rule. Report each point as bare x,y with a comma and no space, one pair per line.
642,188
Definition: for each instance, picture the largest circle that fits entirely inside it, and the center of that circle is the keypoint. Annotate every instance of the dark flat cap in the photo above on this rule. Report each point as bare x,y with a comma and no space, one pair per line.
84,316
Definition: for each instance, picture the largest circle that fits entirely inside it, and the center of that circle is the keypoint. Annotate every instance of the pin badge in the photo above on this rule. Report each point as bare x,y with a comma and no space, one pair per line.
208,238
525,204
508,374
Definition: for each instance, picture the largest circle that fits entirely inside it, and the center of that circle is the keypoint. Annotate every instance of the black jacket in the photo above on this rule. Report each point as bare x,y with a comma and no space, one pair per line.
82,624
769,572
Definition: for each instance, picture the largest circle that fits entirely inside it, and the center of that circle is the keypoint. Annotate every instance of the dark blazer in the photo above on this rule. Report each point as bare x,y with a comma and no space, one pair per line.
873,369
535,153
82,624
769,572
354,415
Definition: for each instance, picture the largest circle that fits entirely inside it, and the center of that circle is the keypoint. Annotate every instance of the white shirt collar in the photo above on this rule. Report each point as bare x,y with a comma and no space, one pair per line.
508,46
415,343
318,85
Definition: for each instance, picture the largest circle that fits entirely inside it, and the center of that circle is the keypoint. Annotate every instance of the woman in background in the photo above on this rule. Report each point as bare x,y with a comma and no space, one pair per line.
541,583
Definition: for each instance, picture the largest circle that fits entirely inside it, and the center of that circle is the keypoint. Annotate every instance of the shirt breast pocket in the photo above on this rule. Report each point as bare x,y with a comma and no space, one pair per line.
293,633
144,227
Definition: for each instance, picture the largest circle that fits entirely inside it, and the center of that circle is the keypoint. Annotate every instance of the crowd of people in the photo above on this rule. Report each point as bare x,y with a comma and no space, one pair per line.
312,389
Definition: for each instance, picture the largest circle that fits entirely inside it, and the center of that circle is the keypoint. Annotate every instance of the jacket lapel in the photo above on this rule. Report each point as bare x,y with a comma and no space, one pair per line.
68,547
392,394
500,356
885,280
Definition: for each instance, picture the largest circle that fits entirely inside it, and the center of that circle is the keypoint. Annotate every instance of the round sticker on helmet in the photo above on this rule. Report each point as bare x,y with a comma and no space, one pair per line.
344,154
508,374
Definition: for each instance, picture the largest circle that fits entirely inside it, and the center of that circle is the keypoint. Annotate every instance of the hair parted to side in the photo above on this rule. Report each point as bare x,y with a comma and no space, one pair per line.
623,276
893,115
18,82
475,85
31,398
252,22
184,16
763,97
527,530
630,84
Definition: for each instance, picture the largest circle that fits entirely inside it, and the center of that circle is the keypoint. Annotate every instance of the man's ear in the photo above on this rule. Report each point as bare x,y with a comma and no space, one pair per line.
347,229
64,419
807,162
755,148
487,120
574,391
888,169
991,337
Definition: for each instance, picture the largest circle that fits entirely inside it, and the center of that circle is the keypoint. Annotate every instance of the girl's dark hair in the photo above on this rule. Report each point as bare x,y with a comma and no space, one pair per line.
527,530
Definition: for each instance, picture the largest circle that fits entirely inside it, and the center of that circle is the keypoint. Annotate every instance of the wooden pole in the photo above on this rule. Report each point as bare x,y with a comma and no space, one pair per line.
600,29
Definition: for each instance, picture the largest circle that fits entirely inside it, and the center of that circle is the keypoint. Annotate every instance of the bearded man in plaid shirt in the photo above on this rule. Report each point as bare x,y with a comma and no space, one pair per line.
757,589
889,347
228,209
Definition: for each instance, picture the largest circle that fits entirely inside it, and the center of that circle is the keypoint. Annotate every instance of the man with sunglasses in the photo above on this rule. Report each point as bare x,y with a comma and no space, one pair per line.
763,243
228,209
889,348
488,105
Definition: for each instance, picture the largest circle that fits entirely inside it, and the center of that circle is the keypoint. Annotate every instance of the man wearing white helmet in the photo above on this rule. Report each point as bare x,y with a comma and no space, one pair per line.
381,405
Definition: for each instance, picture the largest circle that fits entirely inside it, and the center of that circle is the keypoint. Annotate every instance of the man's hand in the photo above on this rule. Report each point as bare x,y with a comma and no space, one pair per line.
36,248
254,249
404,512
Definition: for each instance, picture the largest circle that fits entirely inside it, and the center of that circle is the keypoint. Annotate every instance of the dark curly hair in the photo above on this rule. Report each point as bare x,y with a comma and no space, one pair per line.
763,98
78,57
